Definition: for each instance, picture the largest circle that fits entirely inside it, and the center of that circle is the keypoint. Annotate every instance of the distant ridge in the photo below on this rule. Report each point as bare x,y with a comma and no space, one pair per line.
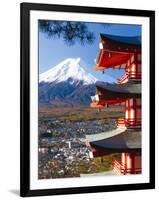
67,84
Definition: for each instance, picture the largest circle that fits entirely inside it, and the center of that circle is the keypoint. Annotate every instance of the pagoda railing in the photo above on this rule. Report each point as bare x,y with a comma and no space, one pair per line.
134,75
123,170
128,122
129,75
121,122
133,122
123,79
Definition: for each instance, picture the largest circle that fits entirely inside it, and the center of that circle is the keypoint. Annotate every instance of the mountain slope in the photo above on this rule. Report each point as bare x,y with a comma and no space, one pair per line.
66,84
65,94
70,69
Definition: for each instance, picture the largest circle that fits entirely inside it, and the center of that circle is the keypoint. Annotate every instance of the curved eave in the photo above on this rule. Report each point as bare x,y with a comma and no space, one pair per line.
134,41
105,135
111,91
97,105
98,151
130,140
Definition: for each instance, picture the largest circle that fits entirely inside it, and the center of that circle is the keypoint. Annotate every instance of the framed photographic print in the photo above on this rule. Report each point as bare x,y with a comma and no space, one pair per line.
87,99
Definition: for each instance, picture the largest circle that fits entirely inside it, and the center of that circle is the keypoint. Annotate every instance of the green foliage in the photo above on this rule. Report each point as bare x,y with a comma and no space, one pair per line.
71,32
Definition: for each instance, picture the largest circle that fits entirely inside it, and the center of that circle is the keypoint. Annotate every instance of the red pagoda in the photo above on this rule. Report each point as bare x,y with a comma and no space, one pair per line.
120,53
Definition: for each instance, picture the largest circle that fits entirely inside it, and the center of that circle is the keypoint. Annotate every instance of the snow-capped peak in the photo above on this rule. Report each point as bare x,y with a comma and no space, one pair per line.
70,69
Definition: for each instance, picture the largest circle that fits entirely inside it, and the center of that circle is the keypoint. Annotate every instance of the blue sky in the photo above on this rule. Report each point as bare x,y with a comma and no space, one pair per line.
53,51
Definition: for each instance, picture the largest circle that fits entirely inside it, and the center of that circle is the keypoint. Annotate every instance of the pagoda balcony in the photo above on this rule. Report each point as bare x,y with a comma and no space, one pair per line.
134,75
131,123
121,169
129,76
121,122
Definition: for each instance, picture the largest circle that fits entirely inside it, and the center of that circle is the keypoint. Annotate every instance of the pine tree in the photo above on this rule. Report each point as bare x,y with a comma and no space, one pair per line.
71,32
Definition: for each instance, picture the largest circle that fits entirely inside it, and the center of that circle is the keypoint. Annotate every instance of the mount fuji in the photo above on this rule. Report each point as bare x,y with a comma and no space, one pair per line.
68,69
66,84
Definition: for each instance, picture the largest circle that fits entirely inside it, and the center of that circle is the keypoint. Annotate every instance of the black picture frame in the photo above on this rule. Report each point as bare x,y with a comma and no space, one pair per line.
25,9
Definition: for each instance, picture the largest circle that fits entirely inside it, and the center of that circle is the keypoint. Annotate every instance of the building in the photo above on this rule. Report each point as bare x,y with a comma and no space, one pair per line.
120,53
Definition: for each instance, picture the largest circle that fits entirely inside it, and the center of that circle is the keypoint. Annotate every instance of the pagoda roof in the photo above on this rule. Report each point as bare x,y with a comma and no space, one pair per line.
108,91
129,40
104,135
125,141
116,51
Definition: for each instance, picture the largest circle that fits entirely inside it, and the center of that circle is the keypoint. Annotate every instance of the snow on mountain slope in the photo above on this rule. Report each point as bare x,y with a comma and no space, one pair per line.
70,69
68,84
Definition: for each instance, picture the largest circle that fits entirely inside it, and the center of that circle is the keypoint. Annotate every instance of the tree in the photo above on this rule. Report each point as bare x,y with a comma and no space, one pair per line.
71,32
